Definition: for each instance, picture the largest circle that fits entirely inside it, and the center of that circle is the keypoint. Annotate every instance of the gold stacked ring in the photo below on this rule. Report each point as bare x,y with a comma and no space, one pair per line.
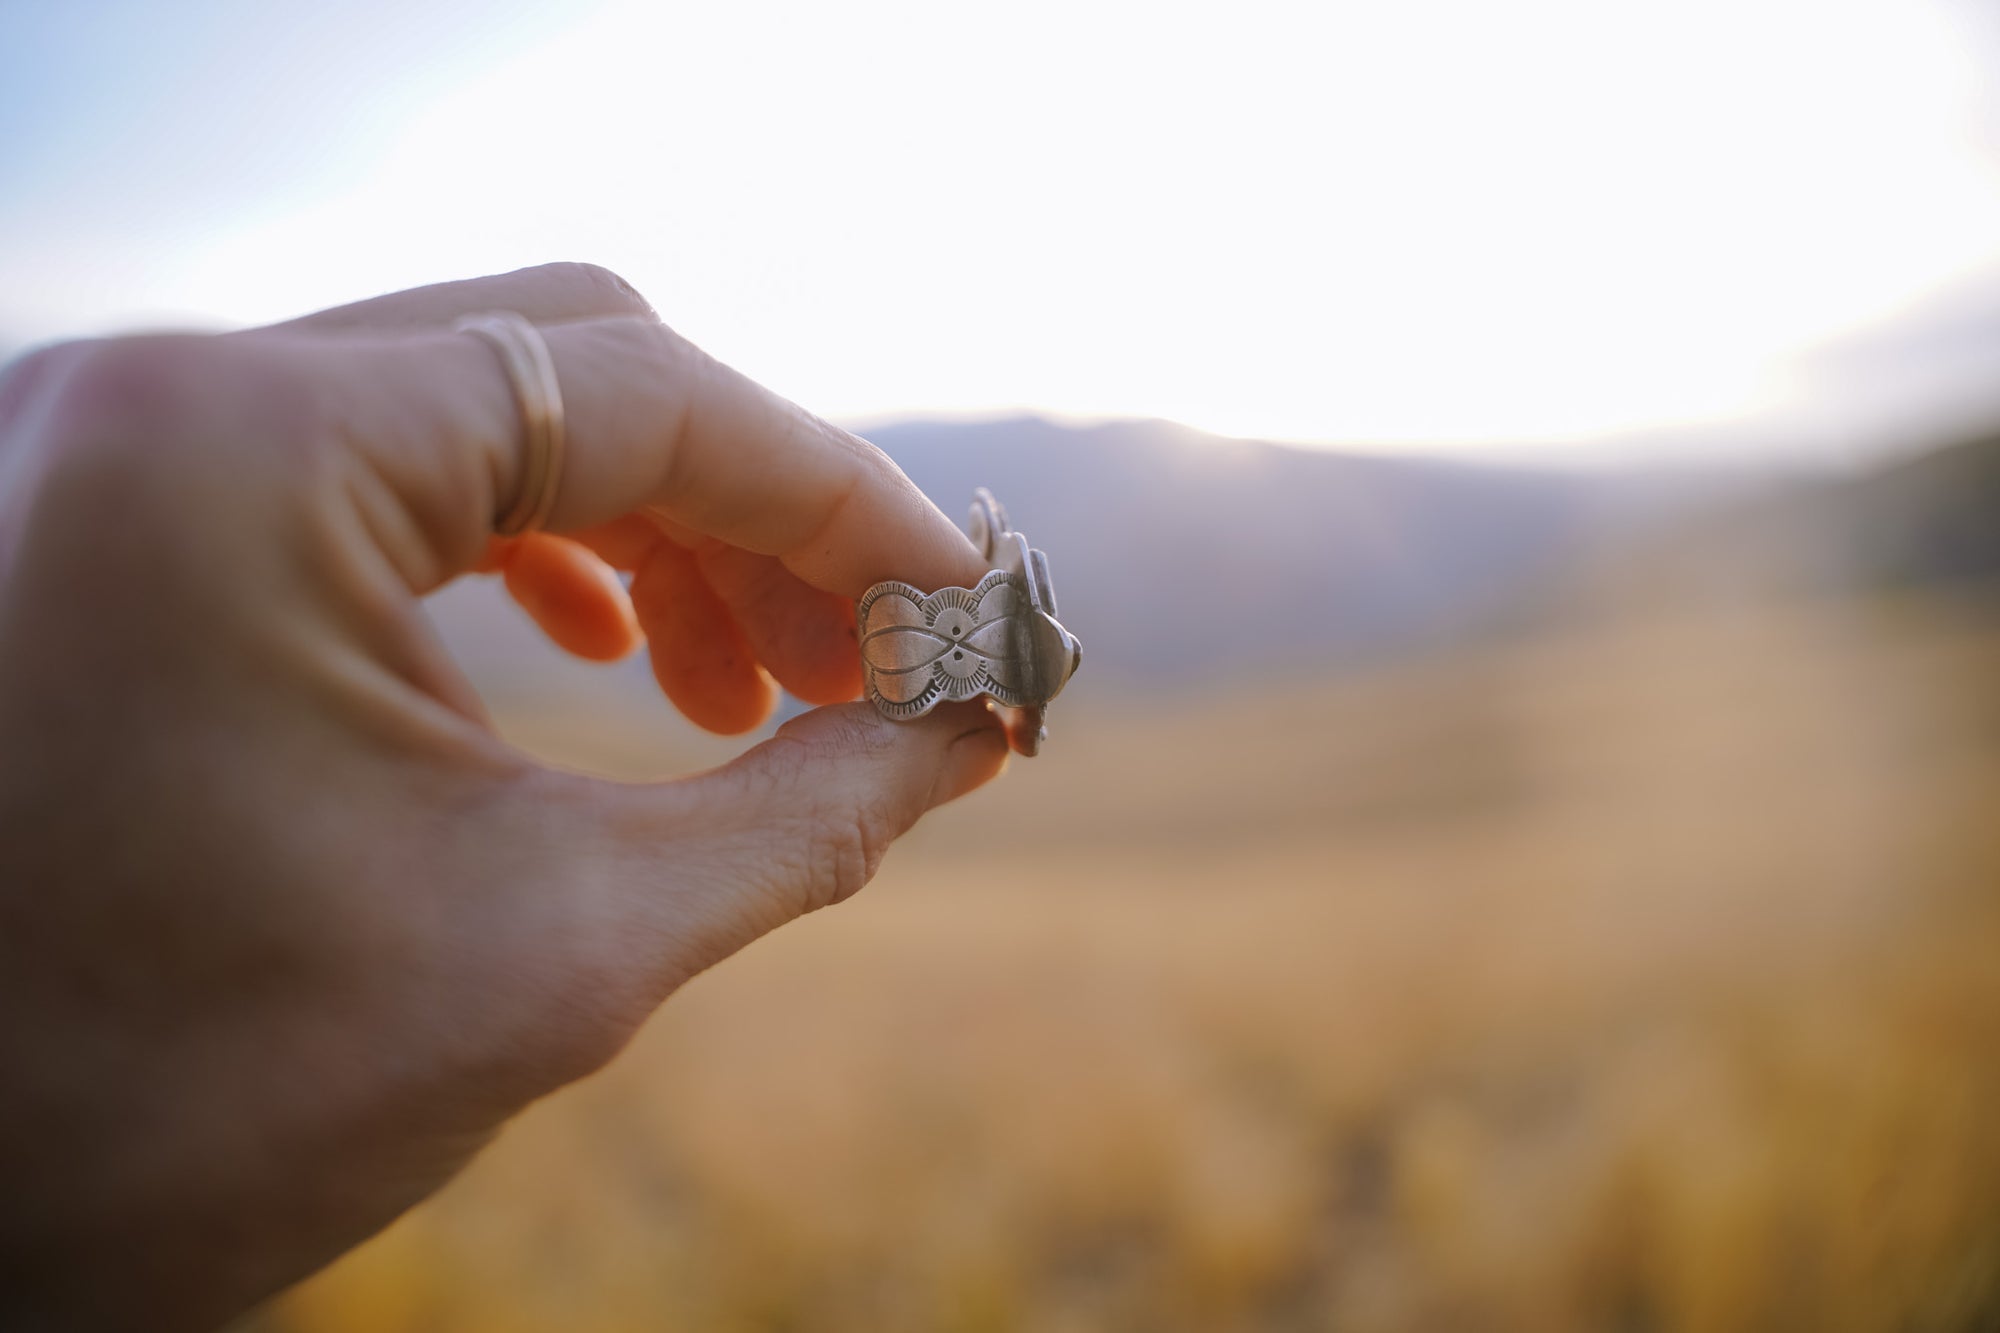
532,371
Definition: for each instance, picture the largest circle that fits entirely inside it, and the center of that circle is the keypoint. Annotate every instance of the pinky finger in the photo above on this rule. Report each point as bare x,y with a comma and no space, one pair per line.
575,597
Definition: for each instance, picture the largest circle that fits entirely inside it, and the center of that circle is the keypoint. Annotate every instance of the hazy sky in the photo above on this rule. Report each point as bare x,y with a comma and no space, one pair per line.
1423,222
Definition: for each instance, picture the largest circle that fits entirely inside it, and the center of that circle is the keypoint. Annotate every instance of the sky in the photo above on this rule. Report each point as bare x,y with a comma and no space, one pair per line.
1479,226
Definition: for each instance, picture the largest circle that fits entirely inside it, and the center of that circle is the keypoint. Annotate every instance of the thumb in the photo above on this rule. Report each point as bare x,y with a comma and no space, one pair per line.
710,863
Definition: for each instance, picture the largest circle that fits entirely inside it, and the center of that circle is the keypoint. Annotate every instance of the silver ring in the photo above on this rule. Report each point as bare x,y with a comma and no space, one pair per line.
920,649
524,354
999,638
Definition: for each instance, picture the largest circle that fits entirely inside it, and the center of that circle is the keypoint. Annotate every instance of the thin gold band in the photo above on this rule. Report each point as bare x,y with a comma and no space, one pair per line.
532,371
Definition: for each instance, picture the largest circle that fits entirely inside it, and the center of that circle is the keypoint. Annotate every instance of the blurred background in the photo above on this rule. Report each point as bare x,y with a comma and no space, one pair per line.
1524,851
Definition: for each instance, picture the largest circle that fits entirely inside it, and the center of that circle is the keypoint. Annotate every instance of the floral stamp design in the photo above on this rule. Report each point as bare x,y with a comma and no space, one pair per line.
956,643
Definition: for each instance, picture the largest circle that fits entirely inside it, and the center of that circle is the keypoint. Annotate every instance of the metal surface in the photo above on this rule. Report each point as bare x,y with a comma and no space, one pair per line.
999,638
524,355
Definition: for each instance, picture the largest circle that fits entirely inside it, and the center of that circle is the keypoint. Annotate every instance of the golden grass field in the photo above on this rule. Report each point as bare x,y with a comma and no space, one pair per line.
1642,975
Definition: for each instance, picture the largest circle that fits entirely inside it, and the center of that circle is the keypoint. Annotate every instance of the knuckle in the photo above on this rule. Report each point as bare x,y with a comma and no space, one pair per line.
25,388
122,388
27,374
650,344
171,430
844,849
151,392
608,290
675,354
841,834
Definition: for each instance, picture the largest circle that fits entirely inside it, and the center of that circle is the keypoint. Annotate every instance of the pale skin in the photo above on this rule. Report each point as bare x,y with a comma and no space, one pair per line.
287,933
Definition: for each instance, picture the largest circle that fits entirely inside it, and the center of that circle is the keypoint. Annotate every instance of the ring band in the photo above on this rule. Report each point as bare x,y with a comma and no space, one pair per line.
999,638
532,372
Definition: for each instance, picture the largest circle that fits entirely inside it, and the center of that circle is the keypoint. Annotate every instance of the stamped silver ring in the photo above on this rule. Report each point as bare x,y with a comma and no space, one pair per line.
999,638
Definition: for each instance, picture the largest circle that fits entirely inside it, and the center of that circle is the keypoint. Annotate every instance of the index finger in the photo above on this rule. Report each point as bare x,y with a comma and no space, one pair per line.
654,425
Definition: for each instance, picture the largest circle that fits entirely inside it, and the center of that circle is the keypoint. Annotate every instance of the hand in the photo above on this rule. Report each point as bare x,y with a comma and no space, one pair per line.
286,933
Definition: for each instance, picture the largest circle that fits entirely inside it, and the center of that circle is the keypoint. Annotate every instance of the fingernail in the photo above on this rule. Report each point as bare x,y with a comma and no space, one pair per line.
975,758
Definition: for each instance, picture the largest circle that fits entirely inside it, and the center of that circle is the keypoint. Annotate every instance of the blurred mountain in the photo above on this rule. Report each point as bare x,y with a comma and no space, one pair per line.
1933,520
1179,556
1930,521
